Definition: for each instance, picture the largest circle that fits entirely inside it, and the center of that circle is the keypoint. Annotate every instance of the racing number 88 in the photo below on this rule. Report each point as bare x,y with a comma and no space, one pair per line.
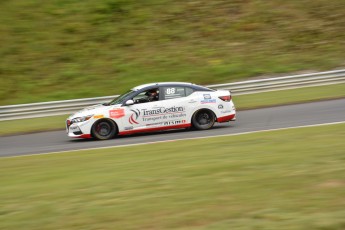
170,91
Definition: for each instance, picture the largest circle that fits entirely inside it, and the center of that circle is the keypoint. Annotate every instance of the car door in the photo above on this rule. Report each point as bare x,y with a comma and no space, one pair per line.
172,109
179,102
144,113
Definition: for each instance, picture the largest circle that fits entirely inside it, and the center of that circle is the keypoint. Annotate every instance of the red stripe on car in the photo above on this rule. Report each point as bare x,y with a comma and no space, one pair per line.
84,136
131,120
155,129
225,118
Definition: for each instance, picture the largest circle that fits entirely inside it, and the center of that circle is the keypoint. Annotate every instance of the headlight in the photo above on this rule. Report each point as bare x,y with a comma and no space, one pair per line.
81,119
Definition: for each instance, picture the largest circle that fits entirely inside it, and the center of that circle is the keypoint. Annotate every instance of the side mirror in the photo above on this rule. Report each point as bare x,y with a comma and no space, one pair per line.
129,102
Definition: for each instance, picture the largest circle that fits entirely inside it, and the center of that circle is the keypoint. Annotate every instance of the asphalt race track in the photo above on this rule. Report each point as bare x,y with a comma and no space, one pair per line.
247,121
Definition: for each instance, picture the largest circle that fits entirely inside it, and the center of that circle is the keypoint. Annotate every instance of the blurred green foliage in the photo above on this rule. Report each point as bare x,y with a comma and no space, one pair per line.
63,49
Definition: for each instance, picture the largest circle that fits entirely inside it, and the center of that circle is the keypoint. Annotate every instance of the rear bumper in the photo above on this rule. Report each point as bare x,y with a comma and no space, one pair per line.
231,117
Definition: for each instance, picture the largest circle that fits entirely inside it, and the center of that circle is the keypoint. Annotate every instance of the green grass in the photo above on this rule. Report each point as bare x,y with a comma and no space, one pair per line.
289,179
291,96
242,102
33,125
52,50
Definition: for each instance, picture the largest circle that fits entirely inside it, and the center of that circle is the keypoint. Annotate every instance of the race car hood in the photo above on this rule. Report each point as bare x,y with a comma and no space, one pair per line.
91,110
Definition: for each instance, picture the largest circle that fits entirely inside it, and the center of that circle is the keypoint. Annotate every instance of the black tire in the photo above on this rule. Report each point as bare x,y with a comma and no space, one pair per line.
103,130
203,119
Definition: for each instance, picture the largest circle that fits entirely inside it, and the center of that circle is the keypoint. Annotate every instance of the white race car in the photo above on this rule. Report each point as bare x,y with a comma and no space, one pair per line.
153,107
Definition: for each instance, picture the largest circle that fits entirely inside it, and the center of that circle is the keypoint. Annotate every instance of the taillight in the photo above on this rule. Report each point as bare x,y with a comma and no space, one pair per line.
225,98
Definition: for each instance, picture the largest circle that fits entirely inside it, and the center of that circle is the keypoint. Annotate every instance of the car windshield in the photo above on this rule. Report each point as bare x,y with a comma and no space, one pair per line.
120,99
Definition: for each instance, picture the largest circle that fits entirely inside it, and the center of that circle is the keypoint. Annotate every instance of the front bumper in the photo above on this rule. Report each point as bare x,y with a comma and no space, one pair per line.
78,130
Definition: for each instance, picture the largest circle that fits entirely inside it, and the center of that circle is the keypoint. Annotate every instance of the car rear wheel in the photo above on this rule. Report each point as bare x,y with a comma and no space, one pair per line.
203,119
103,130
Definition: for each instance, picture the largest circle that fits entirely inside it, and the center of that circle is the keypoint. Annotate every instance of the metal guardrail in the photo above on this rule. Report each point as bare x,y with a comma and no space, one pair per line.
43,109
281,83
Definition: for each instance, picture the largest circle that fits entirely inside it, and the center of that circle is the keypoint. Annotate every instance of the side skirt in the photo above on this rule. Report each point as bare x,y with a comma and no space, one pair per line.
127,132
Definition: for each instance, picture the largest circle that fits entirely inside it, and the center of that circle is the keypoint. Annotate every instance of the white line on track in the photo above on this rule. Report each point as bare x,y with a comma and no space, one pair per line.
191,138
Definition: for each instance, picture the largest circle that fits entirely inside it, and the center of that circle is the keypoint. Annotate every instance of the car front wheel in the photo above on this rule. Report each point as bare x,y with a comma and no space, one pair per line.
203,119
103,130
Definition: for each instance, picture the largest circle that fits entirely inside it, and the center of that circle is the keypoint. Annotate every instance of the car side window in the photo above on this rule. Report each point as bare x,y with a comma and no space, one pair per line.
173,92
176,92
147,96
189,91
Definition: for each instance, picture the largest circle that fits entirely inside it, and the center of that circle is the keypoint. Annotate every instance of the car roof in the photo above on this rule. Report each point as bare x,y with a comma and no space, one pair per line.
159,84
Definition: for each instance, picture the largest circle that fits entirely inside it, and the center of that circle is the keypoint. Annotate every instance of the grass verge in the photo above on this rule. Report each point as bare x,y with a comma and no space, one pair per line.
288,179
33,125
291,96
242,102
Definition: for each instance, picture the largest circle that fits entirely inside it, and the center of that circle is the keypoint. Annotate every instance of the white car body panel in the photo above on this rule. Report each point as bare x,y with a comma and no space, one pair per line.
156,115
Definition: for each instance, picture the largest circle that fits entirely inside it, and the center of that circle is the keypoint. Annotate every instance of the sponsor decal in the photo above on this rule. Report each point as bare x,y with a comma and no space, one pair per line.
208,101
153,124
74,128
129,128
163,110
174,122
98,116
220,107
164,117
134,117
155,115
116,113
207,96
226,111
163,113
